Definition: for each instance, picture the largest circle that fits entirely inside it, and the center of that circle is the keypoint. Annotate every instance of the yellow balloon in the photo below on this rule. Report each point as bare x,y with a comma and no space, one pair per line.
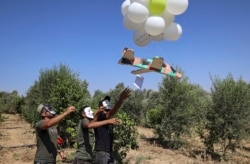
156,7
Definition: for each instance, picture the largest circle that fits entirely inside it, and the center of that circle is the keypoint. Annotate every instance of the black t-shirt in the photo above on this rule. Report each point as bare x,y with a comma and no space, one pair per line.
104,135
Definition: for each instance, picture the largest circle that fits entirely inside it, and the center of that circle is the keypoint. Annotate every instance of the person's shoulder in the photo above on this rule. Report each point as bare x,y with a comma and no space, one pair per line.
85,120
39,124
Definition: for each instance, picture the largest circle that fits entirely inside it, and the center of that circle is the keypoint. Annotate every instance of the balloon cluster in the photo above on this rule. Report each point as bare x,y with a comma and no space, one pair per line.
153,19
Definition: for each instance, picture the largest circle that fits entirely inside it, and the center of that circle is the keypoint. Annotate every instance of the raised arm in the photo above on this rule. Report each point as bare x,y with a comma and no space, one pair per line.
49,123
96,124
125,94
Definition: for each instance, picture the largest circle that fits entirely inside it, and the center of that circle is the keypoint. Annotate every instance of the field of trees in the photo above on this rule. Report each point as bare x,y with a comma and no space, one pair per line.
179,113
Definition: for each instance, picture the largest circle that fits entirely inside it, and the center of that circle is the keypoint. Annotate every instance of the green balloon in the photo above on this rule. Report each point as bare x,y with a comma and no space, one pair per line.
156,7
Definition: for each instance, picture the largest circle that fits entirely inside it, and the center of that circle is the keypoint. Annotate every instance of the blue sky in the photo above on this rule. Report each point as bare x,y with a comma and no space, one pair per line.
88,36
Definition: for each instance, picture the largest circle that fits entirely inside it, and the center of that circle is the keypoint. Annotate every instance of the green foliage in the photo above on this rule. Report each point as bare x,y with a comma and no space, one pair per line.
228,119
133,106
154,116
139,103
60,88
222,116
125,136
98,96
175,114
149,99
9,102
178,109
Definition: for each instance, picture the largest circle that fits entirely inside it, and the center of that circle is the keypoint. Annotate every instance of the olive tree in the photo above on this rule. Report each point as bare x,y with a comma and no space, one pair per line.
178,109
60,88
228,119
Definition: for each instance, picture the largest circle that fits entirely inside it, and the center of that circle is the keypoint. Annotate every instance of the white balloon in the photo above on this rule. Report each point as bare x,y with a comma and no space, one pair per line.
173,32
177,7
124,7
158,38
141,38
145,2
154,25
168,18
131,25
137,12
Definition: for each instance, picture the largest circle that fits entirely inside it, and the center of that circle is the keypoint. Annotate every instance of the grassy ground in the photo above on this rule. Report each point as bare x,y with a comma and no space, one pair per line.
17,146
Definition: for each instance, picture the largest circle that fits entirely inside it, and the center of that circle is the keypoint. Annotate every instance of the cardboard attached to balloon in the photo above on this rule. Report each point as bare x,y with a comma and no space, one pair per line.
145,65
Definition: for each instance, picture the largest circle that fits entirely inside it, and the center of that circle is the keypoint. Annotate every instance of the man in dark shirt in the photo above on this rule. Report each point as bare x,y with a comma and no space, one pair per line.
85,135
104,134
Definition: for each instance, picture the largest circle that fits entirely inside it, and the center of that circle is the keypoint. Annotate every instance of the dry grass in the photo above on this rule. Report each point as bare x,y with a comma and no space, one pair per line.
15,132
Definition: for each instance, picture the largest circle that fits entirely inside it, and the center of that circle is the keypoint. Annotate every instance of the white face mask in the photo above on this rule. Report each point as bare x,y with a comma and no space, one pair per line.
89,113
106,104
50,110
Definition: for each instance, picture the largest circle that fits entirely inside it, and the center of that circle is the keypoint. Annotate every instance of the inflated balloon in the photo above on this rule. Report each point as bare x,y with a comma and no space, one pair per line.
156,7
154,25
131,25
168,18
137,12
141,38
145,2
173,32
124,7
153,19
158,38
177,7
